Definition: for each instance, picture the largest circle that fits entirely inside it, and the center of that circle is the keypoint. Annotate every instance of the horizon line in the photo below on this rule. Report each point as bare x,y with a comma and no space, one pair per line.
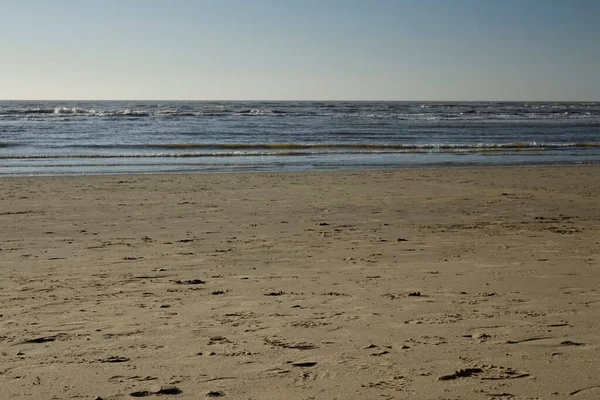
316,100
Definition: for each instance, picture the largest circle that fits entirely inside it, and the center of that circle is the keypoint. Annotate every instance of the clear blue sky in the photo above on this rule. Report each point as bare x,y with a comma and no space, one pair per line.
301,49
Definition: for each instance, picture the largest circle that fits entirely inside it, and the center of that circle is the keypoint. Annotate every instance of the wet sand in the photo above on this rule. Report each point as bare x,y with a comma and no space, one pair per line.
474,283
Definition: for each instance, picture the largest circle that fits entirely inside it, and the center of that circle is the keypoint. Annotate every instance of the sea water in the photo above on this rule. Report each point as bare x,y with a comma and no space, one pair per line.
98,137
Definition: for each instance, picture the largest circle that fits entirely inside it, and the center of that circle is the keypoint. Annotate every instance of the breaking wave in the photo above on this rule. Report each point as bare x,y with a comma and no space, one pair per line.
297,149
341,146
347,110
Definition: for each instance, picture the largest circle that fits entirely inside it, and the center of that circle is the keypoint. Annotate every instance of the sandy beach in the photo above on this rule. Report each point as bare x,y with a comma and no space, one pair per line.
462,283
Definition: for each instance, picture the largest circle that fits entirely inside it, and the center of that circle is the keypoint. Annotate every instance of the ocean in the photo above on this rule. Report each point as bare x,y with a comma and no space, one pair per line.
106,137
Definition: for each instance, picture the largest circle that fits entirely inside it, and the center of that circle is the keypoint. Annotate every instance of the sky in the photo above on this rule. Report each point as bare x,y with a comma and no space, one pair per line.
545,50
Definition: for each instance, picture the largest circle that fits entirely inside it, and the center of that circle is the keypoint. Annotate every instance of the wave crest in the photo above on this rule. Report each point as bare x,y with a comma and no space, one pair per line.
298,149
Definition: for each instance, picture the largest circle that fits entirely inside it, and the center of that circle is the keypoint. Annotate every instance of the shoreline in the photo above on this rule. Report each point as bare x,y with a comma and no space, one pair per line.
323,284
404,167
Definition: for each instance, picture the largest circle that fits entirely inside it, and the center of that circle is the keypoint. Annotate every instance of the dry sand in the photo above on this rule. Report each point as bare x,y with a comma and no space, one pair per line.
298,285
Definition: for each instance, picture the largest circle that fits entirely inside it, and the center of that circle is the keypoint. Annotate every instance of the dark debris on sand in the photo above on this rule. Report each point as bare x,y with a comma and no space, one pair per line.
191,282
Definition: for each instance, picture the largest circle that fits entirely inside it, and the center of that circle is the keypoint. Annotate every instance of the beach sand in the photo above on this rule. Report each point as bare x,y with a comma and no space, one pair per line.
476,283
